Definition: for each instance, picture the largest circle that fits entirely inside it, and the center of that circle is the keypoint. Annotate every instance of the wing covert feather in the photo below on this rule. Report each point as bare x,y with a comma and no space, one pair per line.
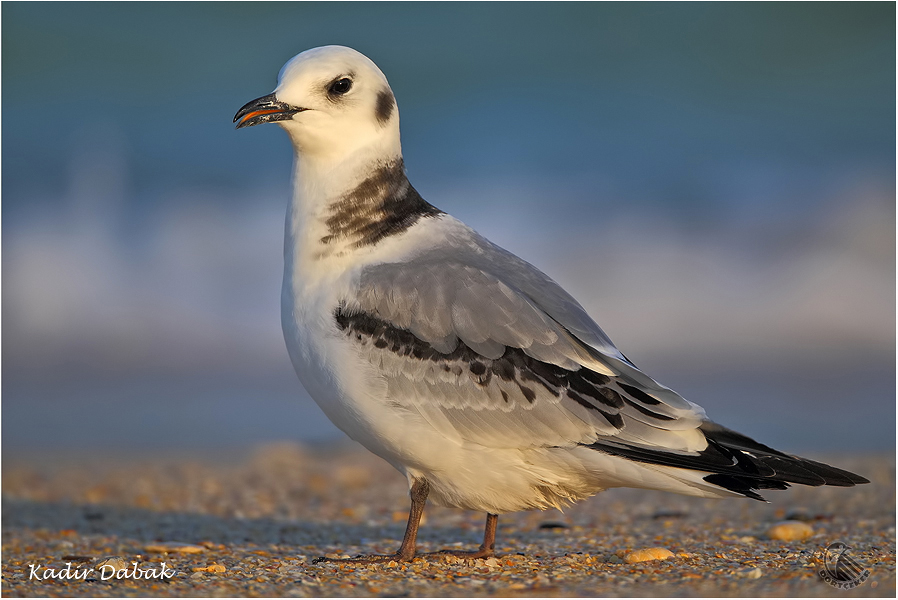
491,351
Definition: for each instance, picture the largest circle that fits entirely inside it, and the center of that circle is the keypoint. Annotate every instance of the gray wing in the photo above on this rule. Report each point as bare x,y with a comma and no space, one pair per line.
489,350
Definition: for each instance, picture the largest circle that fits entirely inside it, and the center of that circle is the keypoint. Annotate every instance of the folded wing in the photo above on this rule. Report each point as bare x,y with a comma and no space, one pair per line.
491,351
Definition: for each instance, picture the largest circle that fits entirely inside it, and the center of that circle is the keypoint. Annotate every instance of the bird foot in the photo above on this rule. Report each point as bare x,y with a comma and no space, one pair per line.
366,559
471,554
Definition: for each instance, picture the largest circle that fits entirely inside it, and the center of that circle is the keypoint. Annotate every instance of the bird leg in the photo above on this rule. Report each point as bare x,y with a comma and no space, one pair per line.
418,494
406,553
487,548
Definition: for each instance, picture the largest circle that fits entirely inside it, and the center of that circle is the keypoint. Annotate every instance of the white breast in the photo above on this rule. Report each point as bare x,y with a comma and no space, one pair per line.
349,389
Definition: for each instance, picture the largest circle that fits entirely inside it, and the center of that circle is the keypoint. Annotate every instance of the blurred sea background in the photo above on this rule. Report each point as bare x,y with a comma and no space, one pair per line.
715,182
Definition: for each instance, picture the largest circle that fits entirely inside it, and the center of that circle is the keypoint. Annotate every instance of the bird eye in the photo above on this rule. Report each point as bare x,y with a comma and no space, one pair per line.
340,86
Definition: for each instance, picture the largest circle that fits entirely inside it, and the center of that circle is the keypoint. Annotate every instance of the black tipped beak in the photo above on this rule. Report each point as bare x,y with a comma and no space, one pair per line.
266,109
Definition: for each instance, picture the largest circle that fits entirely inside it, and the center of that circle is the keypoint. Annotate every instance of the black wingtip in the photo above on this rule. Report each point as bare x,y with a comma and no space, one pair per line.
743,485
739,464
785,467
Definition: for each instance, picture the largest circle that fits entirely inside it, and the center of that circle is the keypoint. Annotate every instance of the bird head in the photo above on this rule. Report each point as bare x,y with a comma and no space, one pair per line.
333,102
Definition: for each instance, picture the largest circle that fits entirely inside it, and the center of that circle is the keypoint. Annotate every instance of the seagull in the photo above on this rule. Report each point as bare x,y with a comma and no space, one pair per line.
466,368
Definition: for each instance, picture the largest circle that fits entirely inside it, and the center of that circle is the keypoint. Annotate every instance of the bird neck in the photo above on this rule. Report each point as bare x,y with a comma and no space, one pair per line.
351,207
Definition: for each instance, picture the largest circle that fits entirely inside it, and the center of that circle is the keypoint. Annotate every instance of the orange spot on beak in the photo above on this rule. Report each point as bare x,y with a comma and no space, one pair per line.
257,113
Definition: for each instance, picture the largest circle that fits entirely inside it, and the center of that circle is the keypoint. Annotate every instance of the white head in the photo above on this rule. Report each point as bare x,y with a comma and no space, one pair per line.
334,103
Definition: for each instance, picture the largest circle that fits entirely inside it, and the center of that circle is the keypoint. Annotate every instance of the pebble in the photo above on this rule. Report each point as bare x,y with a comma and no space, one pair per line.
181,547
789,531
213,568
646,554
755,573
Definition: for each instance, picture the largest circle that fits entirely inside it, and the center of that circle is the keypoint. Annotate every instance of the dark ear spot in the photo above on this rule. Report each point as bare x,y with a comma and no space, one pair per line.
384,109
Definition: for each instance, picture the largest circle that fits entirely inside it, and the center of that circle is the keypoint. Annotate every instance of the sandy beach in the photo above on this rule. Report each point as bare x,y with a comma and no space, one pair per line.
252,523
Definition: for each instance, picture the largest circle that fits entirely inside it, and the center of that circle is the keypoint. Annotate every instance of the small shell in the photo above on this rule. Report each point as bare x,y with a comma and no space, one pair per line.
790,531
646,554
